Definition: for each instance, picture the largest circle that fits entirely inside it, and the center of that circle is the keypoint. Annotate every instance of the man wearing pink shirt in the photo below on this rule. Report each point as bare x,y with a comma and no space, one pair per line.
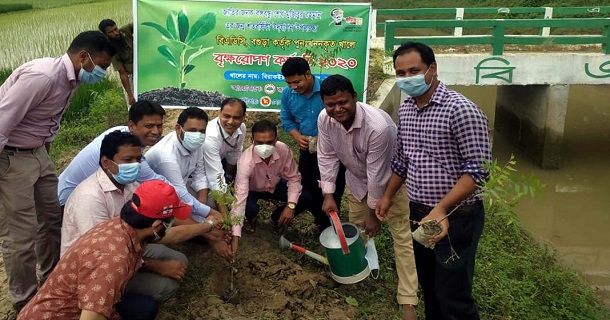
267,170
32,101
362,138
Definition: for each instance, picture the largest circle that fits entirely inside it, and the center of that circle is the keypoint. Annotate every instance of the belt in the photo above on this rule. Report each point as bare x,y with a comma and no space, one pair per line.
11,148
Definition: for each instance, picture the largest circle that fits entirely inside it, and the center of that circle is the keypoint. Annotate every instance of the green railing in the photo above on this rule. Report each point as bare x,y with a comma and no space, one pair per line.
498,36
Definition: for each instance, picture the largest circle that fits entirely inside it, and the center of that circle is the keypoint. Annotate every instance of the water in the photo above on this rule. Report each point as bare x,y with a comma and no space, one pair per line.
573,214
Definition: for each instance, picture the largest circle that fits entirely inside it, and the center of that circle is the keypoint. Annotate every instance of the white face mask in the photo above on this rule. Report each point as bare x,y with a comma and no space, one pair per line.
264,150
192,140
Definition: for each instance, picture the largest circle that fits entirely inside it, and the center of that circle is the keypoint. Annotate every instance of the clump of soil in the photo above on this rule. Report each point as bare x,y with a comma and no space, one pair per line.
171,96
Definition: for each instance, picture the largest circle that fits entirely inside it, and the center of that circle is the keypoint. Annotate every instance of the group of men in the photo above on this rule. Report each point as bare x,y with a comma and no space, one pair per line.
113,209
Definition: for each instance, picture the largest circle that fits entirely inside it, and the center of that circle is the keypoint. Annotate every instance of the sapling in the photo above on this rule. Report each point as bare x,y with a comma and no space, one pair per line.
226,199
182,39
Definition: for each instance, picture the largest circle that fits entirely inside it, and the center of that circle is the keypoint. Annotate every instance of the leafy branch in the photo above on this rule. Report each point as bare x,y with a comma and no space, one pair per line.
226,198
322,58
503,189
181,37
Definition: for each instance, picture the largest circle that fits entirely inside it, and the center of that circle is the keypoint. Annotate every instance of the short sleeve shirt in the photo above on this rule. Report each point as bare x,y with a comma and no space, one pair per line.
90,276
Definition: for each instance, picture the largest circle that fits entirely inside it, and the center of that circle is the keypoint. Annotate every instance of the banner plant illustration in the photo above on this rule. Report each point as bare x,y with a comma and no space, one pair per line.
182,38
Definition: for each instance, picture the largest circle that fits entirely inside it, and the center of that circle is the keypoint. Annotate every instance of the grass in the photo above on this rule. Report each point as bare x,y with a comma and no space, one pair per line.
32,34
47,4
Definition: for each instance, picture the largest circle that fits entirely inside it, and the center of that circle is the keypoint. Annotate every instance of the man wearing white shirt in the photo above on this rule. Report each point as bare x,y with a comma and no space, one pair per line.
145,122
179,155
224,143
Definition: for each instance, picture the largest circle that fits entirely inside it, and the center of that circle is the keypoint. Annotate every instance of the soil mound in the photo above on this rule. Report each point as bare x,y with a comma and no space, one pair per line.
171,96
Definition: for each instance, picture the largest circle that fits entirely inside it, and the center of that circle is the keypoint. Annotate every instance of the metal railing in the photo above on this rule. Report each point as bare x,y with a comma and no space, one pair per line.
497,37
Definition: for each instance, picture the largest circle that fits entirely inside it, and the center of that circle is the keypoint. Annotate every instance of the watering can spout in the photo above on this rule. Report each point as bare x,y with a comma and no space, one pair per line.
285,244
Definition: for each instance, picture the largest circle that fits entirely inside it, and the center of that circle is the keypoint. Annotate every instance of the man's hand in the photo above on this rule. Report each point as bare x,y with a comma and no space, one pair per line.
382,207
329,204
168,268
438,214
216,235
372,225
216,217
300,139
131,100
286,217
223,250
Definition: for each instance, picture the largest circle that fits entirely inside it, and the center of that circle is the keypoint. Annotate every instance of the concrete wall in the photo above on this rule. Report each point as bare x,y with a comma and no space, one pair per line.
533,117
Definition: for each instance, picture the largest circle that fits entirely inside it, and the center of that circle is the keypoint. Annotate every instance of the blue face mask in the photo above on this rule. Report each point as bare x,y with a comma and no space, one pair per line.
414,86
94,76
128,172
192,140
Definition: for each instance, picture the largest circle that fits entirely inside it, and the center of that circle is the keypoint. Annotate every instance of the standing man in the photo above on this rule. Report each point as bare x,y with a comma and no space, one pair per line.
91,276
224,143
301,105
442,146
123,60
267,170
32,102
179,155
363,138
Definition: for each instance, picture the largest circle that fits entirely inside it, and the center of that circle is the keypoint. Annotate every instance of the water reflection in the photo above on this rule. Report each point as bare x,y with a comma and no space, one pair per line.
573,214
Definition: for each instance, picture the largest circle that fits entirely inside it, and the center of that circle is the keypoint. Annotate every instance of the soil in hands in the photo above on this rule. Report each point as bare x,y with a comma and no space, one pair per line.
171,96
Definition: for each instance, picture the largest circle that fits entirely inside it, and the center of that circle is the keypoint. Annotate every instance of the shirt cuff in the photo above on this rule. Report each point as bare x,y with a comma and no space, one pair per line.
293,197
200,209
237,230
371,201
327,187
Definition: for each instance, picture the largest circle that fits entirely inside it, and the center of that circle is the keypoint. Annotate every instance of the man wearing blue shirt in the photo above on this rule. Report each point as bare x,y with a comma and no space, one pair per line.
145,122
301,105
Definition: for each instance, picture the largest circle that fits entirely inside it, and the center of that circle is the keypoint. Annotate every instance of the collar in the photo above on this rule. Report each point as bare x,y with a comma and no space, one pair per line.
70,73
437,98
104,181
136,245
181,149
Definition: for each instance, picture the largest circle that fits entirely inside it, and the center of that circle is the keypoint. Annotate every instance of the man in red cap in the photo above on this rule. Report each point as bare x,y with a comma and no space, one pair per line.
89,280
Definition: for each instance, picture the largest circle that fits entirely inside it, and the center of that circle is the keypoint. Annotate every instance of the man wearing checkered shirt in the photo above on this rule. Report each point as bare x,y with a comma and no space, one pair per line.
442,145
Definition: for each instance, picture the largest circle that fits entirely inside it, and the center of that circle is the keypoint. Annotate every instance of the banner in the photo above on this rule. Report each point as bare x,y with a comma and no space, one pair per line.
196,53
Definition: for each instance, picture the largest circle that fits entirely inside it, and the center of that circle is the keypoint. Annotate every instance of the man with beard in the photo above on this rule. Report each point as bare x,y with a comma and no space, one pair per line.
123,60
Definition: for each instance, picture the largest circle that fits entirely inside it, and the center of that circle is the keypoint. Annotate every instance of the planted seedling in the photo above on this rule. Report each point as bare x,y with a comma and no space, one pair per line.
226,199
182,39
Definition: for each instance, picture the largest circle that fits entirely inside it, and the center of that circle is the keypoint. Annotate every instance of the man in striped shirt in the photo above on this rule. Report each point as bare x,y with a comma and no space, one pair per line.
362,138
442,145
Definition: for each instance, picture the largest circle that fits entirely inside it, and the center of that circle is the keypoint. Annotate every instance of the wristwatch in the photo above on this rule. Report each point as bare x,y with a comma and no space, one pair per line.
291,205
210,222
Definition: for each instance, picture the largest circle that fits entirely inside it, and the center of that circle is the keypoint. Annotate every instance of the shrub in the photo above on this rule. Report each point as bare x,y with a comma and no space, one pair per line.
10,7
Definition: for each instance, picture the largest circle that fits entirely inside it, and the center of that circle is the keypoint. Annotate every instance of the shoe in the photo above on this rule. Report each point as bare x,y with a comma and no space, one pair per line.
409,312
250,225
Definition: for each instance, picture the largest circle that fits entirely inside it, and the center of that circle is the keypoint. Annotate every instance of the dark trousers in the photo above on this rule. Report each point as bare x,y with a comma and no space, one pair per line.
137,307
281,194
447,283
310,174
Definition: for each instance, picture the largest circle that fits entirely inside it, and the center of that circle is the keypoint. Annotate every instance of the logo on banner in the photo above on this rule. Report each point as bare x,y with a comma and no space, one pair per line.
269,88
265,101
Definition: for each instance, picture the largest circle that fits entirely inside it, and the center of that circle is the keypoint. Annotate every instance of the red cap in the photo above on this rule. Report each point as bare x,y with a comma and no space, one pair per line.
158,200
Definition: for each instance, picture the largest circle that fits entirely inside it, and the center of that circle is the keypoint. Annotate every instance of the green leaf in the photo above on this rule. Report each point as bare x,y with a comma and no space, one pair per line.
202,26
188,68
182,85
159,28
198,53
183,25
167,53
172,24
351,301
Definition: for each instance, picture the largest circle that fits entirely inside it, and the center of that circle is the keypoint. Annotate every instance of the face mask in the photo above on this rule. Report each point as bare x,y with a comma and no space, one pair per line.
264,150
91,77
414,86
192,140
128,172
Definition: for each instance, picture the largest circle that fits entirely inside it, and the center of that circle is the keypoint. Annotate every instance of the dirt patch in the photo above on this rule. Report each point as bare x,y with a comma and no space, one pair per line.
171,96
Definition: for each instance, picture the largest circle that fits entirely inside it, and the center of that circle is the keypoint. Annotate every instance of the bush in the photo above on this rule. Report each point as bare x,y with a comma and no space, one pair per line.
10,7
83,99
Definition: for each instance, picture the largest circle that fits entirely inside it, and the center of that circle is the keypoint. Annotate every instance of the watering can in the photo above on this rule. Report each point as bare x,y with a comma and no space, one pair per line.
345,253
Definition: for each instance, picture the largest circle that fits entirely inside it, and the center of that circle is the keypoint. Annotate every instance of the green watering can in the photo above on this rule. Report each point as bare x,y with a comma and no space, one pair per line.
345,251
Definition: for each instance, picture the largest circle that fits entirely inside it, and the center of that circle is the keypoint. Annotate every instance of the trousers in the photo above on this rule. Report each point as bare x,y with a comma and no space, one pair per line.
30,220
